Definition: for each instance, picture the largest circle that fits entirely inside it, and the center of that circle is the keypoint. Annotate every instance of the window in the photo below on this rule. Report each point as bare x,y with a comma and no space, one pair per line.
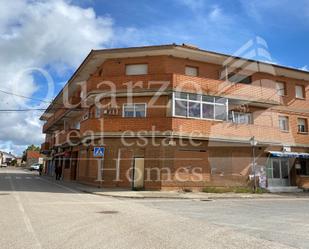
304,166
191,71
241,117
299,92
239,78
302,125
76,125
199,106
86,116
283,123
280,87
97,112
134,110
136,69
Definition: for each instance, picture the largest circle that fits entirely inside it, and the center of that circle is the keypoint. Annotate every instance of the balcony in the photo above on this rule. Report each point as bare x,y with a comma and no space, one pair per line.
120,124
67,137
54,122
219,130
261,92
45,146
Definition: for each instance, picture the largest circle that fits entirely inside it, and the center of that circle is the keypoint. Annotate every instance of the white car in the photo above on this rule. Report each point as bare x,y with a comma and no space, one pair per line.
35,166
3,165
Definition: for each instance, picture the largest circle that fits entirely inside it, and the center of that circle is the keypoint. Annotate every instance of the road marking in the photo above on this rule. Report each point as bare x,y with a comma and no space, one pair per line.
17,177
7,177
28,177
25,216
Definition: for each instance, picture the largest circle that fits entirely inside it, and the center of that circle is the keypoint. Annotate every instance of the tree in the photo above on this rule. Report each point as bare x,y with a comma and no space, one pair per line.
31,147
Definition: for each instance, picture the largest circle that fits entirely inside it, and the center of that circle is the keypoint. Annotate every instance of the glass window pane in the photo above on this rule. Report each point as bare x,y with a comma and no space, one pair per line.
285,169
180,108
181,95
208,99
140,110
137,69
283,123
220,100
220,111
193,96
194,109
208,111
276,169
191,71
299,92
128,111
280,87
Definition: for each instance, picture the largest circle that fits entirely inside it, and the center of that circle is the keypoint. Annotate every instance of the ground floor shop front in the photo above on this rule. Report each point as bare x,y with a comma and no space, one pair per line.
174,164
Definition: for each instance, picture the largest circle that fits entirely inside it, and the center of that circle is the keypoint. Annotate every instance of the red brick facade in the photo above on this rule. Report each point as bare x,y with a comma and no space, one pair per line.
223,155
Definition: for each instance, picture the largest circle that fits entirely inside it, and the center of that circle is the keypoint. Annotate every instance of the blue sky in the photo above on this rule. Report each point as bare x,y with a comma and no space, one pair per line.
55,36
222,26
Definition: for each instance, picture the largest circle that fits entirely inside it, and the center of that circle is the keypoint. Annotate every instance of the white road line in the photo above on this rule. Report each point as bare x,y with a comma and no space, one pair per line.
25,216
7,177
17,177
28,177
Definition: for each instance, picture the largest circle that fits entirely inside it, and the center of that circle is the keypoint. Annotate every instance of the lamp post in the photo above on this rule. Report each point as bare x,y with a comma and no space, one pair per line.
253,143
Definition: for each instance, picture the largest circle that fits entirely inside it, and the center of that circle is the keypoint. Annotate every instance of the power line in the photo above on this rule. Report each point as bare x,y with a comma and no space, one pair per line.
25,97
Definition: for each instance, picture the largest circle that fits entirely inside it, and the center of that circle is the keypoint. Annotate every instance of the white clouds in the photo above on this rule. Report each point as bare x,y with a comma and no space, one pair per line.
40,34
305,68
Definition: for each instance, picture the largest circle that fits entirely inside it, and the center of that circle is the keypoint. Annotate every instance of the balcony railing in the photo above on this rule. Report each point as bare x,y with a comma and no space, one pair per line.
45,146
70,136
120,124
259,91
195,128
60,113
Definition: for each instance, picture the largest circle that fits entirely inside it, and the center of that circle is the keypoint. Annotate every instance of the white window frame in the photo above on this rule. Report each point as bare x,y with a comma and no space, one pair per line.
280,88
287,123
249,114
190,69
302,92
143,70
305,125
201,102
134,109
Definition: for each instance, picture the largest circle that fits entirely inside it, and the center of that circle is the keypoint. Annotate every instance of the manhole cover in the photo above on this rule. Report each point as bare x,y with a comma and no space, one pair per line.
4,194
206,200
108,212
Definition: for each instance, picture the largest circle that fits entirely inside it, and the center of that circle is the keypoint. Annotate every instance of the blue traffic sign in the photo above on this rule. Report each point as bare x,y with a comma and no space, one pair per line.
98,151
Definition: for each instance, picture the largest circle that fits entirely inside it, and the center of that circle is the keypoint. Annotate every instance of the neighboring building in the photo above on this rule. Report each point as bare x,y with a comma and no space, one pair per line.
6,158
33,157
208,107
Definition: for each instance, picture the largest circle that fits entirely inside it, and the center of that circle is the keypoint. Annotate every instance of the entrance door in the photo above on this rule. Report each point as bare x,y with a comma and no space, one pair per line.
138,173
74,165
279,172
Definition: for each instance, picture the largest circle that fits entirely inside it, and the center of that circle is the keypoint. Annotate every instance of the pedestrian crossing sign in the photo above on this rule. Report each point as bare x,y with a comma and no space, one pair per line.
98,151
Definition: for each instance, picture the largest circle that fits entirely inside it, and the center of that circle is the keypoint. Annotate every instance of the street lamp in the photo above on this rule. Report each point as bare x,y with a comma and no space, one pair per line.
253,143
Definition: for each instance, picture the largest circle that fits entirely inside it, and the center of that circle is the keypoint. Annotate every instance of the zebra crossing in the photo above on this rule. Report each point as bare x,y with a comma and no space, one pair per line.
20,177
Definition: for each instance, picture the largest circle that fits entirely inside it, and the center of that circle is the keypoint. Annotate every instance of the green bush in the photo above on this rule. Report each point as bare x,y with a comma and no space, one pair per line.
233,190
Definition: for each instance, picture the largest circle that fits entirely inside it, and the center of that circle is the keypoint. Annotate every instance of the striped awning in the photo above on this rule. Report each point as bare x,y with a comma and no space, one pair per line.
288,154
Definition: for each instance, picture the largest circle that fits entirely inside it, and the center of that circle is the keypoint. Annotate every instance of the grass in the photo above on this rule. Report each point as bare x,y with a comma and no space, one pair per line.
221,190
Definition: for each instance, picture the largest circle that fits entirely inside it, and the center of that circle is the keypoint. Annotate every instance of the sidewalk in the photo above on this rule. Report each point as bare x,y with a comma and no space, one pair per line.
125,193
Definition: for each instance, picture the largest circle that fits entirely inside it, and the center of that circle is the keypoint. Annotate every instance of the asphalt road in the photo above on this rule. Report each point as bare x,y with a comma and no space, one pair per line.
38,213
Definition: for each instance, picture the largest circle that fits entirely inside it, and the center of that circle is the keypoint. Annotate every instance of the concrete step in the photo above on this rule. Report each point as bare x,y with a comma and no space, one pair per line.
287,189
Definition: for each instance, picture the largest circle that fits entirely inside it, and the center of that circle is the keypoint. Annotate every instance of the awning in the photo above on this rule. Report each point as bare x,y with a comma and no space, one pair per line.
289,154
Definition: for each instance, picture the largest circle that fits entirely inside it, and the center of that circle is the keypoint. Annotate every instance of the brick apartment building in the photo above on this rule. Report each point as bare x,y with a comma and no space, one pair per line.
175,116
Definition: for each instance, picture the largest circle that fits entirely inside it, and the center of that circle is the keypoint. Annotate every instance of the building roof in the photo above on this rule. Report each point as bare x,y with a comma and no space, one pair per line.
7,154
33,154
96,57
